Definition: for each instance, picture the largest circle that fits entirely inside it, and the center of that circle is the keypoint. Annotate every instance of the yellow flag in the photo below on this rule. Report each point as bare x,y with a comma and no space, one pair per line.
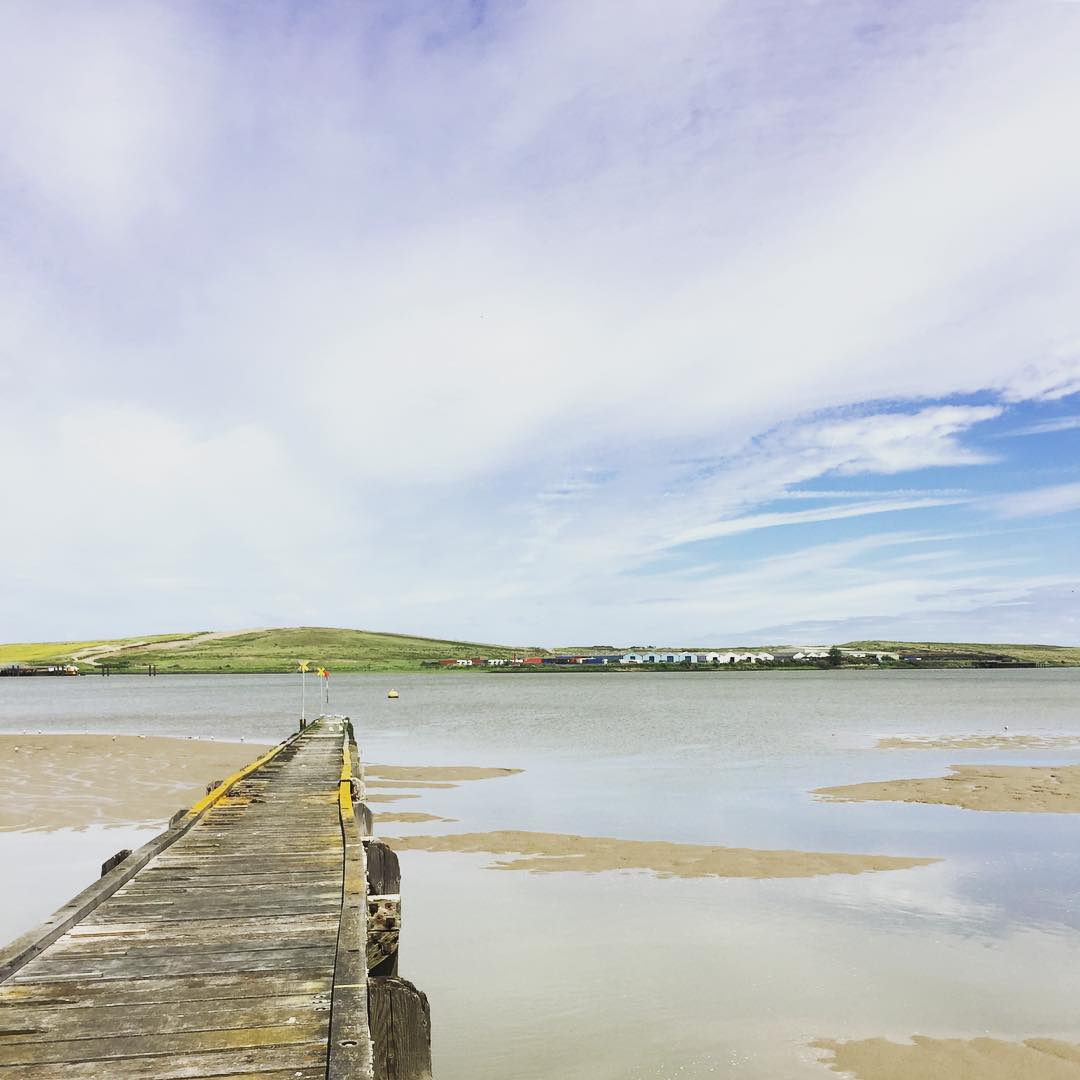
304,665
322,671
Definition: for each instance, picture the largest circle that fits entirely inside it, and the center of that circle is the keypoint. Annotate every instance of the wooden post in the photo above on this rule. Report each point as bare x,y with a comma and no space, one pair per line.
114,860
384,879
383,869
383,933
213,784
364,819
400,1020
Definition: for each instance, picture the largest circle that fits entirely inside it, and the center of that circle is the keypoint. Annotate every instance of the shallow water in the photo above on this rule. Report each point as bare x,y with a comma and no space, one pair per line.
624,974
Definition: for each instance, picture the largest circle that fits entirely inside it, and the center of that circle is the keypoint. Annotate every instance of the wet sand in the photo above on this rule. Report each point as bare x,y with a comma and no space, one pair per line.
1025,789
423,774
550,852
980,742
70,781
410,817
406,783
954,1059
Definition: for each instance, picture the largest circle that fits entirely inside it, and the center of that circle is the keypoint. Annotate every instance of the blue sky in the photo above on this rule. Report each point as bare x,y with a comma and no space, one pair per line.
541,322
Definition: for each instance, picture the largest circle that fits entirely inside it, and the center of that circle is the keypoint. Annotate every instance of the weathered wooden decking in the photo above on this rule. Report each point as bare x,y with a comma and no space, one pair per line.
232,946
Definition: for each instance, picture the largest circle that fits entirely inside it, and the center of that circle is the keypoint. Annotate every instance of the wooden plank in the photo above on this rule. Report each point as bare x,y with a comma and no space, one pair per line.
43,1051
190,945
33,1022
64,967
247,1061
194,929
167,989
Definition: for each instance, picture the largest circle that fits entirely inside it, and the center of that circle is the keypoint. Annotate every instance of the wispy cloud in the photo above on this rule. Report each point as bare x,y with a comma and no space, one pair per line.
1046,427
804,517
1056,499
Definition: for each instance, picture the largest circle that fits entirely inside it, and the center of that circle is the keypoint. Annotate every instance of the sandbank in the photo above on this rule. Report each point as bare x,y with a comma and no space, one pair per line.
406,783
548,852
1026,789
979,742
954,1059
70,781
421,773
410,816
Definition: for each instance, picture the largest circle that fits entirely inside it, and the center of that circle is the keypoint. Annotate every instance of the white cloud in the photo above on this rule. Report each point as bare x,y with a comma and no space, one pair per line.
518,308
1047,427
804,517
1056,499
101,109
1050,379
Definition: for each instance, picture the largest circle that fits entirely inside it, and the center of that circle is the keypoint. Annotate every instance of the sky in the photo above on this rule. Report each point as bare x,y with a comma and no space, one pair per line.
560,322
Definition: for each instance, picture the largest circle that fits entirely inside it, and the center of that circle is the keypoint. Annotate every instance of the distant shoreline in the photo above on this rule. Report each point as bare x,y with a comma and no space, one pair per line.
582,669
277,651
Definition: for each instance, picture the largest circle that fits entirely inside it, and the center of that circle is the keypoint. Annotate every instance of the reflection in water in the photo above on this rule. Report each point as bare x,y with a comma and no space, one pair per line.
46,869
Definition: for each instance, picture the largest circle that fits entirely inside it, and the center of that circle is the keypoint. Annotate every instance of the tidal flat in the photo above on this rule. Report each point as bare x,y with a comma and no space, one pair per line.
624,972
72,781
1017,789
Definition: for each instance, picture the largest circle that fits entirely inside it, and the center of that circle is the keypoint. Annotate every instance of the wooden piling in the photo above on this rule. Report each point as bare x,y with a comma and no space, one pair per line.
400,1020
383,869
365,822
114,860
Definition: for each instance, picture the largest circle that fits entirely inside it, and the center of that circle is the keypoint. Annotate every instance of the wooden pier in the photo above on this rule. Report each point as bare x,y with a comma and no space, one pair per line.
237,944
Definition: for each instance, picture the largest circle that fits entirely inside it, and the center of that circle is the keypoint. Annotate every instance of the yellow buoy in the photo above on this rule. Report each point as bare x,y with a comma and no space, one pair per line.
392,694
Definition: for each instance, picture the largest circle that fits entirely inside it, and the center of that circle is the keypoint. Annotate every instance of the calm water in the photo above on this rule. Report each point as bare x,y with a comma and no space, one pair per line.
619,975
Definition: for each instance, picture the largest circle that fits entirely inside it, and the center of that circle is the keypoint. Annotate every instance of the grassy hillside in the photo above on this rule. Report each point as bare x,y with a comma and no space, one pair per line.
45,652
279,649
960,651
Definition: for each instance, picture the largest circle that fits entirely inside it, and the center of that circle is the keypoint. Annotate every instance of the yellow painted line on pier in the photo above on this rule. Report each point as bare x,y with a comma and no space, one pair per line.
345,783
222,789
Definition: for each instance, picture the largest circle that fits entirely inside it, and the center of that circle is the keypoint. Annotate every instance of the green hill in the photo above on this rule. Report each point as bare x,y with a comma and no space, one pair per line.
278,649
960,652
270,650
50,652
